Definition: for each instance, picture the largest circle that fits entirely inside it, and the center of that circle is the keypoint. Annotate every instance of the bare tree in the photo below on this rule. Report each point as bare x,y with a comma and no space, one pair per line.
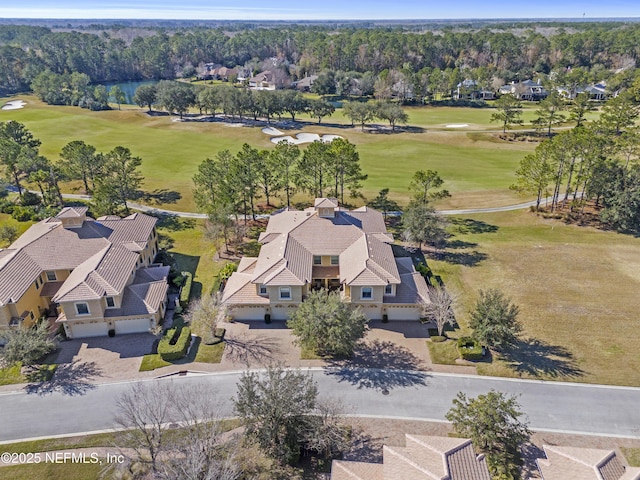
204,314
440,309
172,432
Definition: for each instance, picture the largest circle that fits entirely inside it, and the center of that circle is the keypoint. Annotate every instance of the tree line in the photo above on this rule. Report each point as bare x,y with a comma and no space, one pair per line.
596,162
230,185
112,178
429,61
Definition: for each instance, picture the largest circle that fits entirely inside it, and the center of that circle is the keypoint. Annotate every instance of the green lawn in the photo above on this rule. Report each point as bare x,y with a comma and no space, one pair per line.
632,455
477,169
11,375
576,288
210,353
45,445
443,352
53,471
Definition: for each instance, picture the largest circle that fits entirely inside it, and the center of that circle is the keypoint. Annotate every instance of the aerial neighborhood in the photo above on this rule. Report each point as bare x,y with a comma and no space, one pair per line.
348,250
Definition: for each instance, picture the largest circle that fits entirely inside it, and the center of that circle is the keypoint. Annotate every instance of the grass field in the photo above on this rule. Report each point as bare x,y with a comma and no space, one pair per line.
576,288
476,167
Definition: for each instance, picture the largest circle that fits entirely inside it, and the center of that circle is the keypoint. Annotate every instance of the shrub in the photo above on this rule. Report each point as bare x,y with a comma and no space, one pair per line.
227,271
469,349
22,214
185,293
423,270
175,344
30,199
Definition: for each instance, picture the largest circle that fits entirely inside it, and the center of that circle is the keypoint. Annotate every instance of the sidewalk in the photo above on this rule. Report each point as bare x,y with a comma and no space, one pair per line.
91,361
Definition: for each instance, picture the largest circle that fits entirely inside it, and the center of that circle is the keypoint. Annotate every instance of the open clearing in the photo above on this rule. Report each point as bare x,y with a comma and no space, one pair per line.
477,169
577,288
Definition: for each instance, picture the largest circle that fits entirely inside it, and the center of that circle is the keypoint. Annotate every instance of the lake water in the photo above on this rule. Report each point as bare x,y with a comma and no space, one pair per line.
129,89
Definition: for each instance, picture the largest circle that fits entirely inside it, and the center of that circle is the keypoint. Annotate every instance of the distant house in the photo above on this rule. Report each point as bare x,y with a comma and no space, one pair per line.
525,90
326,247
573,463
262,81
305,84
596,92
91,276
469,90
215,71
423,457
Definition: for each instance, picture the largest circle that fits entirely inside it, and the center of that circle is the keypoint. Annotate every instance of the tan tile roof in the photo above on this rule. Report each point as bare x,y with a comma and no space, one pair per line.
72,212
574,463
239,290
325,203
424,457
47,245
140,299
342,470
247,264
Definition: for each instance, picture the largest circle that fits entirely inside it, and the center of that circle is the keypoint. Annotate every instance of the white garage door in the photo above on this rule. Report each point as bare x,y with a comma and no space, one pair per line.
139,325
248,313
282,313
97,329
406,313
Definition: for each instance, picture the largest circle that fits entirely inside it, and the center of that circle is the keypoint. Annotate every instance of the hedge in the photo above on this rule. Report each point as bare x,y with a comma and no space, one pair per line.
469,349
185,293
175,344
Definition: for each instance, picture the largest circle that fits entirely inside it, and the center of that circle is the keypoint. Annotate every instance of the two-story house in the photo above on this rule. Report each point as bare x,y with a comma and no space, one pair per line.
92,276
326,247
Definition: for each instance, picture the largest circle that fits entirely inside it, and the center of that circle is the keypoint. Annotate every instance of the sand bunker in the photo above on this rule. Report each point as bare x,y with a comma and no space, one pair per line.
457,125
272,131
13,105
304,138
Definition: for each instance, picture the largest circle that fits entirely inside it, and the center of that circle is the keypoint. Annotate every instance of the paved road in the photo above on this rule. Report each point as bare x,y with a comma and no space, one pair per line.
553,406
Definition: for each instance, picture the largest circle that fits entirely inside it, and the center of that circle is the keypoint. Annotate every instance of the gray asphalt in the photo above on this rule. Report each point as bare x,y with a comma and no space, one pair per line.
553,406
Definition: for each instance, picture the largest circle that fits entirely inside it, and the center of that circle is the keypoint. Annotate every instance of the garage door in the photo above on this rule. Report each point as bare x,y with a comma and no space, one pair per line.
406,313
139,325
282,313
248,313
81,330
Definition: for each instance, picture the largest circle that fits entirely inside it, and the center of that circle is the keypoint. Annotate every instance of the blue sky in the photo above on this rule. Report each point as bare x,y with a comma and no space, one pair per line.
316,9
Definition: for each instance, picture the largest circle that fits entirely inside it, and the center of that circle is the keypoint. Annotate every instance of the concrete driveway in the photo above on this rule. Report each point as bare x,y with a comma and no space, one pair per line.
106,359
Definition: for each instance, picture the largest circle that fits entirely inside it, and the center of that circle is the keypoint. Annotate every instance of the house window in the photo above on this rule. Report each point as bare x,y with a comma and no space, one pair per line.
262,289
110,302
388,289
37,283
366,293
51,276
317,260
285,293
82,309
335,259
31,316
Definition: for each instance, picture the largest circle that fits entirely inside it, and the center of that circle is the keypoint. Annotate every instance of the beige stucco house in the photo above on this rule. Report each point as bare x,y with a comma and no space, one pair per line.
91,275
326,246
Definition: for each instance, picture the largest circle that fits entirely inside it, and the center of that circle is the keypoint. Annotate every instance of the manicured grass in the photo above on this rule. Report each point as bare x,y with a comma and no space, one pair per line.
576,288
632,455
49,444
474,169
151,361
53,471
11,375
443,352
210,353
